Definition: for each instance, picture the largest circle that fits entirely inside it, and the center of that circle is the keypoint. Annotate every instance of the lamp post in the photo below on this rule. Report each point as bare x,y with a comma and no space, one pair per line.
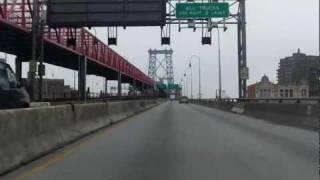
195,56
182,88
190,66
219,53
219,57
187,86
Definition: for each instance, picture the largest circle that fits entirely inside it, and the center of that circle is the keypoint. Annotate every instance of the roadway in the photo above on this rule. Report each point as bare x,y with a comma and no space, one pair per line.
184,142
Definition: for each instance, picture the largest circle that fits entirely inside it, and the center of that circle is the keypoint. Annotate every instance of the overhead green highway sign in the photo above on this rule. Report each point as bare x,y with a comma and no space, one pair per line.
202,10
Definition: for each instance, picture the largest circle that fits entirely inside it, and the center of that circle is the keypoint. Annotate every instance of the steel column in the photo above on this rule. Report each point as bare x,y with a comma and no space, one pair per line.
134,87
34,60
119,84
106,86
242,48
18,62
82,77
142,89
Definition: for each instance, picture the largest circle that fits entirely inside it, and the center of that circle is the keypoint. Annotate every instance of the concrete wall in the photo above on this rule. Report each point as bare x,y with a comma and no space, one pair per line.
26,134
298,115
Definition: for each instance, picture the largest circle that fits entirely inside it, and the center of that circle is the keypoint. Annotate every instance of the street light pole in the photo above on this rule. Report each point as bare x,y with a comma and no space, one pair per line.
187,85
194,56
219,57
184,89
190,66
181,87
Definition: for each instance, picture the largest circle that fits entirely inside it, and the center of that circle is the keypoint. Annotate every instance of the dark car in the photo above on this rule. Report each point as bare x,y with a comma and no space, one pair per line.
184,100
12,94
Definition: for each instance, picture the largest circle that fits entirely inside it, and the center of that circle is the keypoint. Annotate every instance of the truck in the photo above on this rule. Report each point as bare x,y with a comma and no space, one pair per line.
12,94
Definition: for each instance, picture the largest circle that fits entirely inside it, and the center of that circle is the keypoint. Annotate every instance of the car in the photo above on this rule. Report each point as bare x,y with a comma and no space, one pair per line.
184,100
172,97
12,94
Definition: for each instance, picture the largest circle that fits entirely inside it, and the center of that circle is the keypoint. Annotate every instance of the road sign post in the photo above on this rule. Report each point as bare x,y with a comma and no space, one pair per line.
202,10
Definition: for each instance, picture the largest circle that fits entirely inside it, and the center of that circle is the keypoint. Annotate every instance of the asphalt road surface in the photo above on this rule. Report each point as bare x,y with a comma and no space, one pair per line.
184,142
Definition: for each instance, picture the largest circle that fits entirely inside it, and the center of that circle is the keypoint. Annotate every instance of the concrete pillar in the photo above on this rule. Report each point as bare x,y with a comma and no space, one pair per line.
119,84
18,62
82,78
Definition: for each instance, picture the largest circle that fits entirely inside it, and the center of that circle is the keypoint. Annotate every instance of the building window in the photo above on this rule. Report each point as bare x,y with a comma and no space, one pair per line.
291,92
261,93
304,93
286,93
281,92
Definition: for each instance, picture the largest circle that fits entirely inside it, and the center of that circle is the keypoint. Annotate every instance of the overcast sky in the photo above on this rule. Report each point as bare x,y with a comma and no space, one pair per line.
275,29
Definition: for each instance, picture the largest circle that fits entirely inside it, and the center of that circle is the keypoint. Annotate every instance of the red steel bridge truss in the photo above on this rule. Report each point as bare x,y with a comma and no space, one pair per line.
16,38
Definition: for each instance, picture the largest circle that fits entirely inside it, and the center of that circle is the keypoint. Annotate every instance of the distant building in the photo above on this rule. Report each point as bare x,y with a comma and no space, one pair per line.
266,89
252,90
298,90
300,70
263,89
53,89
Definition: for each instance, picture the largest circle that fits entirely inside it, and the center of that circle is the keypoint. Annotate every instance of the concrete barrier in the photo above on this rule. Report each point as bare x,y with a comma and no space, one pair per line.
238,108
90,117
26,134
119,110
298,115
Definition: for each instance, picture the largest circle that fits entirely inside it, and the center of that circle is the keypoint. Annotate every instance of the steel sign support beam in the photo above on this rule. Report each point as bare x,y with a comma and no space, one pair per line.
242,48
34,60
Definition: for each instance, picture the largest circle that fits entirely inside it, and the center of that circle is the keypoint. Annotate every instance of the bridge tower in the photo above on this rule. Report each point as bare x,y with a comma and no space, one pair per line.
156,64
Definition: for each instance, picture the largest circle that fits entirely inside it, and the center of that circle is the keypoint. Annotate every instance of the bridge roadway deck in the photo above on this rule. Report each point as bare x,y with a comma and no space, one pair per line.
184,142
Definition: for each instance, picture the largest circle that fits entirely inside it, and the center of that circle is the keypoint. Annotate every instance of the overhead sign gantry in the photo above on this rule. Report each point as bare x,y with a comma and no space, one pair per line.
194,14
84,13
